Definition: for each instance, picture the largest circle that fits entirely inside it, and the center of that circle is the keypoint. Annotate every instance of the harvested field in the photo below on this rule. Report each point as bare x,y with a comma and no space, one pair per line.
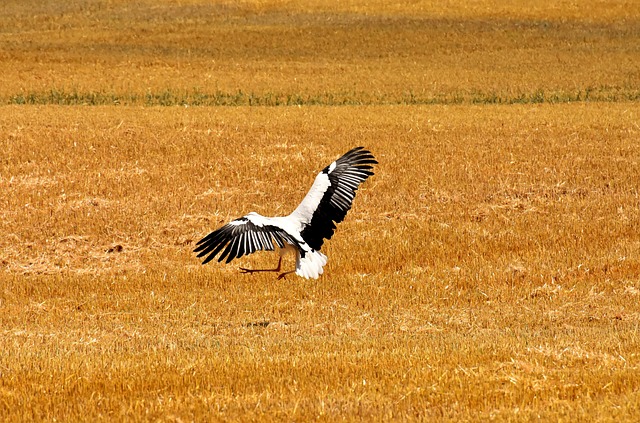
490,269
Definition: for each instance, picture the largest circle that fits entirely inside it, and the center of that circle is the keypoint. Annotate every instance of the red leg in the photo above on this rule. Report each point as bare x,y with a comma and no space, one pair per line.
284,275
277,269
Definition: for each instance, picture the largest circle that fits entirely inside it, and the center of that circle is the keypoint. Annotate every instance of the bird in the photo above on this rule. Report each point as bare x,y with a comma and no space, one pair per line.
304,230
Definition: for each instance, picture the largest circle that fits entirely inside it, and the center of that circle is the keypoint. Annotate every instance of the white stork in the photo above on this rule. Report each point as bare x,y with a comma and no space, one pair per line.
304,230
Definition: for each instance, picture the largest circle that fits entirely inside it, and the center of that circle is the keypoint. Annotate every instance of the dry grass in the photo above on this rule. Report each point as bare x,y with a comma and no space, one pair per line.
325,52
489,270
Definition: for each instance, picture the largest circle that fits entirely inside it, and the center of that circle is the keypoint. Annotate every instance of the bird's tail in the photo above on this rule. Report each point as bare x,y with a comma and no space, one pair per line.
310,266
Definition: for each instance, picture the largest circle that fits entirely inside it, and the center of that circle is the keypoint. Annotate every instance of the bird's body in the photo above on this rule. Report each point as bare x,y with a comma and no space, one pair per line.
305,229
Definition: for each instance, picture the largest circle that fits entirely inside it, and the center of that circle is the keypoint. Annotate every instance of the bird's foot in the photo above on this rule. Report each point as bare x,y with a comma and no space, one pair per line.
284,275
251,271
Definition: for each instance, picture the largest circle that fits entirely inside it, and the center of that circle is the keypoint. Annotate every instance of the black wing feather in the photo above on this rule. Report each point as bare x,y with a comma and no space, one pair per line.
353,168
239,238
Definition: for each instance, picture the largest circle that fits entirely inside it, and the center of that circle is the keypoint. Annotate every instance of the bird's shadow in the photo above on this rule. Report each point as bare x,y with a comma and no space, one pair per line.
263,324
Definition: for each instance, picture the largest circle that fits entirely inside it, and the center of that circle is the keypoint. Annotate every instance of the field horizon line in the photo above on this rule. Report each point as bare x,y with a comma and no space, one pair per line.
196,97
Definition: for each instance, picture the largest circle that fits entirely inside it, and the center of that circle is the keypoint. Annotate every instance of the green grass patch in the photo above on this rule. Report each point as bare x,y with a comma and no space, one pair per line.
240,98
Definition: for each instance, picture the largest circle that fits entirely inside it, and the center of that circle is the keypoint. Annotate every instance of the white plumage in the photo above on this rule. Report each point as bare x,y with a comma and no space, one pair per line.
303,231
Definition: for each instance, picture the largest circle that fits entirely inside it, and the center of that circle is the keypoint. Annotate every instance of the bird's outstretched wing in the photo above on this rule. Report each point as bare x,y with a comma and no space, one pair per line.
331,195
242,236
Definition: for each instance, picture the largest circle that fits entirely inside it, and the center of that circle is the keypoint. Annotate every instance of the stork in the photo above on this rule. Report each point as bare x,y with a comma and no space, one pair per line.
303,231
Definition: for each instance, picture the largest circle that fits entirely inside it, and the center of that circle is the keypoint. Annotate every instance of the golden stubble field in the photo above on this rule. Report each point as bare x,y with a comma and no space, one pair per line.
317,52
489,270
